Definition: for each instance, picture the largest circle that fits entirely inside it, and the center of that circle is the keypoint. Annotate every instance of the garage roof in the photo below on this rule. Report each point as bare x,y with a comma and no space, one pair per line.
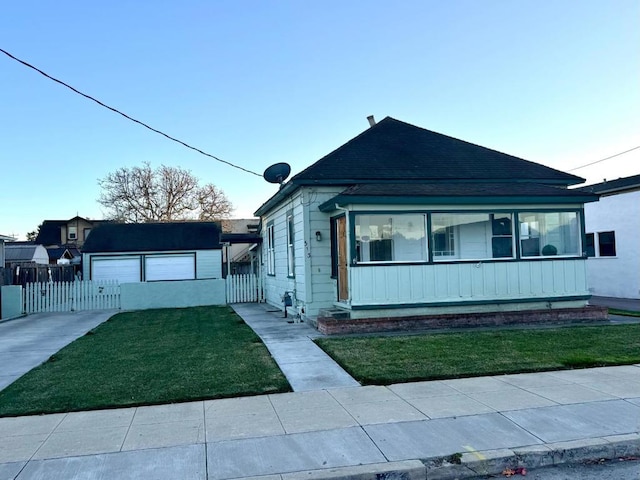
144,237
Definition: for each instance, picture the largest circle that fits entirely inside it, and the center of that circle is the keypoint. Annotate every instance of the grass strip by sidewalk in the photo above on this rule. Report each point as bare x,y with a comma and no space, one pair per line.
381,360
626,313
150,357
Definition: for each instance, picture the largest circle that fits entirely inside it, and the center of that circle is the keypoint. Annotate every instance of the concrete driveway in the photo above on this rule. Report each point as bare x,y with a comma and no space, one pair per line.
29,341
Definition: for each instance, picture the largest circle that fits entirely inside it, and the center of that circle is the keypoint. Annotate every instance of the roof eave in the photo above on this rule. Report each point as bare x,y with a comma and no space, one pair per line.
287,189
341,200
354,181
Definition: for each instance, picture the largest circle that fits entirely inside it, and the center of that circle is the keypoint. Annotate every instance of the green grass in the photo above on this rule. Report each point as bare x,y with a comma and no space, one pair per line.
149,357
387,360
628,313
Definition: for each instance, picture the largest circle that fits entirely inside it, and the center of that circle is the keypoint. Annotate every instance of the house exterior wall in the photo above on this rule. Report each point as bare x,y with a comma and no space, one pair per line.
208,262
457,283
81,226
617,276
402,289
395,290
312,287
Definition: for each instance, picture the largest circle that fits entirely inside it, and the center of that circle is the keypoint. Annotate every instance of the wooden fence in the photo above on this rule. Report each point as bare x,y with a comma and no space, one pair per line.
244,288
29,272
70,296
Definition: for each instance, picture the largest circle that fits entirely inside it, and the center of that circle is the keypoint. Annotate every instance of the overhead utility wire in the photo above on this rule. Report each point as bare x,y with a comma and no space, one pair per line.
125,115
603,159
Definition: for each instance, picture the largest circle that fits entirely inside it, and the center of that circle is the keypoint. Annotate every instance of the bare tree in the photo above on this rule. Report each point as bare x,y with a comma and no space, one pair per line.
142,194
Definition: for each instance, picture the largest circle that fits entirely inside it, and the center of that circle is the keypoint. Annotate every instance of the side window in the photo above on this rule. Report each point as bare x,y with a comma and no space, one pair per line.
591,246
271,257
291,270
607,244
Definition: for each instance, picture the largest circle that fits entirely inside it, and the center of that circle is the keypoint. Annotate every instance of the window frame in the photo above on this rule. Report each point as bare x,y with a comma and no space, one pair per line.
432,260
271,250
354,242
451,232
580,237
291,247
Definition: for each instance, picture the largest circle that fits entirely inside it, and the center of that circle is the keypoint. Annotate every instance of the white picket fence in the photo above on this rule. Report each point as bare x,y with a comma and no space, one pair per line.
70,296
244,288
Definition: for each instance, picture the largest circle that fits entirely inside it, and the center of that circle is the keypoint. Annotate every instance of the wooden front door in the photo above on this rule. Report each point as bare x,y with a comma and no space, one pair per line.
341,242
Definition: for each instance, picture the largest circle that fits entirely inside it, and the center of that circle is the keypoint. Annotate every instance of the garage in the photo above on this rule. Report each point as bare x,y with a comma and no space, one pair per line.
170,267
153,252
122,269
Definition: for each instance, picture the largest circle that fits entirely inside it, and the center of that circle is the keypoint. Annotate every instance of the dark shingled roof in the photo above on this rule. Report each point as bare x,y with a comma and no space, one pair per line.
462,190
393,150
139,237
49,233
613,186
56,253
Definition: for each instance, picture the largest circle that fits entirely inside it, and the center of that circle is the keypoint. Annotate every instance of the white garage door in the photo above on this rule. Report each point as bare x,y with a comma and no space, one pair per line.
124,270
170,267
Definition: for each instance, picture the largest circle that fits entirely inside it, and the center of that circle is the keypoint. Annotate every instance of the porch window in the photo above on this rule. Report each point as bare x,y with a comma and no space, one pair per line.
290,247
549,233
472,236
271,257
391,238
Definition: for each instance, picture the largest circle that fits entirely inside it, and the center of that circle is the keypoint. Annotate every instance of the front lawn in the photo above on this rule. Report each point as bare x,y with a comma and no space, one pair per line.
149,357
384,360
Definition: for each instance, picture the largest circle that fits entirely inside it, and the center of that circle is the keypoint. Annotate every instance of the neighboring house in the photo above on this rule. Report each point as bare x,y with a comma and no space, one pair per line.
145,252
403,222
240,238
20,253
3,239
613,229
64,238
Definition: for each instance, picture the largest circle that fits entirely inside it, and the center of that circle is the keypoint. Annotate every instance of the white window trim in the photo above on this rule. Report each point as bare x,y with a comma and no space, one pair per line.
291,266
271,257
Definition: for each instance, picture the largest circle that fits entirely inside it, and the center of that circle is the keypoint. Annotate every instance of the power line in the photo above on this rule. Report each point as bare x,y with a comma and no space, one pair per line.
603,159
115,110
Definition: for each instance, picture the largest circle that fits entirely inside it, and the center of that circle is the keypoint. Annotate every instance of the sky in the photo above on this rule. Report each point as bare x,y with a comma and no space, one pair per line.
259,82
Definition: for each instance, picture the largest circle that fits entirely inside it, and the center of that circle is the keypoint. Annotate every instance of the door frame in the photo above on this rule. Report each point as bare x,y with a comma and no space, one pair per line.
341,257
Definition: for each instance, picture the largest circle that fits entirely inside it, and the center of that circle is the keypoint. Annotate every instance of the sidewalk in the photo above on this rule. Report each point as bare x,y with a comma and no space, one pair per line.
334,432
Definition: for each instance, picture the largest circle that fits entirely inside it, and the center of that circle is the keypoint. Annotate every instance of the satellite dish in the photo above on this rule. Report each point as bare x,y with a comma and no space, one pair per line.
277,173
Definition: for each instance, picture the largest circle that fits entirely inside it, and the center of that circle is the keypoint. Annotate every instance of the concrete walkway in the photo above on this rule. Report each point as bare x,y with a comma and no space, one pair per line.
401,431
27,342
305,365
631,304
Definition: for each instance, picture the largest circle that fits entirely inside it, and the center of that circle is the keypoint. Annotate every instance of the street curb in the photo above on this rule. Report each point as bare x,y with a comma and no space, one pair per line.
494,462
403,470
476,464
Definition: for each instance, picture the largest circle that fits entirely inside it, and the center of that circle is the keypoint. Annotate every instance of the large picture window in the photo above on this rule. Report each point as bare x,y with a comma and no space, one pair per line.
391,238
545,234
472,236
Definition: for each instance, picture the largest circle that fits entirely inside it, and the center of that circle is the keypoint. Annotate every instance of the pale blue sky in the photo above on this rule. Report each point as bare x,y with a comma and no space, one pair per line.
258,82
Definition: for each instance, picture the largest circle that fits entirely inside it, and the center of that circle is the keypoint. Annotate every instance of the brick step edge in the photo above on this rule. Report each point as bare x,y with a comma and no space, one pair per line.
590,313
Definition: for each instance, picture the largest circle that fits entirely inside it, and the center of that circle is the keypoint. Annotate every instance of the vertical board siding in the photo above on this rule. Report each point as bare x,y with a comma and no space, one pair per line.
70,296
406,284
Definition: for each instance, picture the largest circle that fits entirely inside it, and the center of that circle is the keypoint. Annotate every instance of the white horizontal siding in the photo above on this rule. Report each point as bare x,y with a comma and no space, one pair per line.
407,284
208,264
